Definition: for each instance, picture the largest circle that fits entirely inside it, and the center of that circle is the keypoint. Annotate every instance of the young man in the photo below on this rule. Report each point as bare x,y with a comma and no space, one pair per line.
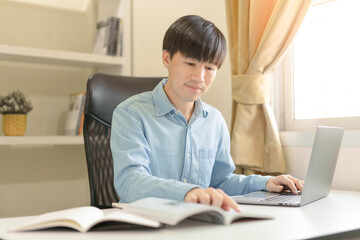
168,143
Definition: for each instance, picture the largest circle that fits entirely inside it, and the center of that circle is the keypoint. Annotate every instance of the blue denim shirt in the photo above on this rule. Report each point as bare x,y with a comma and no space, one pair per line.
158,153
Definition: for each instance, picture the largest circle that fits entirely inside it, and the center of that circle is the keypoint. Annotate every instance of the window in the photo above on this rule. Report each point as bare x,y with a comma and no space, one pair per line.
320,74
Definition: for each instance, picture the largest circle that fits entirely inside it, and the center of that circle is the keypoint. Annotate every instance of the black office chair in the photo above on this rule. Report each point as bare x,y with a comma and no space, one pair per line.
104,92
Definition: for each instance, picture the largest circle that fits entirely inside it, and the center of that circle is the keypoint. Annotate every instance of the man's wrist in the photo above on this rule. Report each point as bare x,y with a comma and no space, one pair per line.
266,183
190,191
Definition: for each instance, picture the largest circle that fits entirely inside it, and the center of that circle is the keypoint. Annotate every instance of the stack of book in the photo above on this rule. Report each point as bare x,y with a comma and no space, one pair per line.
109,37
75,115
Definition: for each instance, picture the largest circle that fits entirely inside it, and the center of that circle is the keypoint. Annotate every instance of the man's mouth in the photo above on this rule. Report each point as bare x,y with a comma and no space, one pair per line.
195,87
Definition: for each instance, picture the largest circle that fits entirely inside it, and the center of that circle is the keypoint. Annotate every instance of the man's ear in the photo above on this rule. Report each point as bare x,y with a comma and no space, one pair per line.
166,58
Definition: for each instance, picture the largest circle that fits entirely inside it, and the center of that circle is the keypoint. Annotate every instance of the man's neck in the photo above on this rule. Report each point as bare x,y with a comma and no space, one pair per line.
186,108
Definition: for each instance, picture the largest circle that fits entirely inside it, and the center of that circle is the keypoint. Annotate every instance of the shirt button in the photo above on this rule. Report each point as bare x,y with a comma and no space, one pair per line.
185,181
187,155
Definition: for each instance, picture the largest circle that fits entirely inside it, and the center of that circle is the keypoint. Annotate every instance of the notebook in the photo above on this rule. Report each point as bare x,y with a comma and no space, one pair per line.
319,176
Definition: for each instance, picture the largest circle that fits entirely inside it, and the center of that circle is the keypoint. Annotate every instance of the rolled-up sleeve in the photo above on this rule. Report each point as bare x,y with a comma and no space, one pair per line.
223,176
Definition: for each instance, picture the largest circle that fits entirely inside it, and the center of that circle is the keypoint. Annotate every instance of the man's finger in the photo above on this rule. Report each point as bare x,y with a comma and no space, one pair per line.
191,196
204,197
285,182
276,188
216,197
288,182
229,203
299,184
211,196
232,204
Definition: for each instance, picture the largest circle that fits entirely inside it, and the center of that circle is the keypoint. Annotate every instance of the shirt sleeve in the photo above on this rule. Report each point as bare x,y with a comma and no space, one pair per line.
223,176
133,179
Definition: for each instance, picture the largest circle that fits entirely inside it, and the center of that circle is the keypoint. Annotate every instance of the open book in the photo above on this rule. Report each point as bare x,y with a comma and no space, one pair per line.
83,219
172,212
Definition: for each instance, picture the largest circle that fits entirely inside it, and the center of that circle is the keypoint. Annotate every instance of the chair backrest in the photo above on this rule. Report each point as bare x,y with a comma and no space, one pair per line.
104,92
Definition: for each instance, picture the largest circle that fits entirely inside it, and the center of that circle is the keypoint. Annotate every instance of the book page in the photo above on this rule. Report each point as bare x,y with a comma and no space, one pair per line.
170,211
80,219
117,215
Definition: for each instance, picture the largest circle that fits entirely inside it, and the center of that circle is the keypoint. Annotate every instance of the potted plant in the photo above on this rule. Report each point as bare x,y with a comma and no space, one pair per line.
14,107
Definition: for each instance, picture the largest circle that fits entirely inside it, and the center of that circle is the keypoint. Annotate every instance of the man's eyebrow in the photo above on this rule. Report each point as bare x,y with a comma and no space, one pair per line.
194,59
191,58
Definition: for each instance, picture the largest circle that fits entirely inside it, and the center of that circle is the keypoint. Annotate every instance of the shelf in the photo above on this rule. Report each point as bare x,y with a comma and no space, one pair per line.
40,140
38,55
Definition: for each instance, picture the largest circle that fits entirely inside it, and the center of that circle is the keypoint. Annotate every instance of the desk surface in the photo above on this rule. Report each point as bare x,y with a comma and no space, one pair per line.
338,212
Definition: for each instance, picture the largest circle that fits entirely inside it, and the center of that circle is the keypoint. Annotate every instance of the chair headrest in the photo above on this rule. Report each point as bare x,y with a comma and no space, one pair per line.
104,92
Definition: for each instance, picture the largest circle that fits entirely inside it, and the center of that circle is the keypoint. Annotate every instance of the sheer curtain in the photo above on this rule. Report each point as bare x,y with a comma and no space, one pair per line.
260,32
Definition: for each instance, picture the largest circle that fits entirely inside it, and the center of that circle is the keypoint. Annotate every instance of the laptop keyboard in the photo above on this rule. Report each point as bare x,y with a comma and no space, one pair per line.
283,198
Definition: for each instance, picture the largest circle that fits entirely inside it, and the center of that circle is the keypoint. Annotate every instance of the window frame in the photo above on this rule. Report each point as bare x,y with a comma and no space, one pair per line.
284,112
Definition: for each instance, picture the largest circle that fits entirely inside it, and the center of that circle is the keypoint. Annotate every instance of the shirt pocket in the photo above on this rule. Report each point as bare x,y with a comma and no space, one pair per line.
206,164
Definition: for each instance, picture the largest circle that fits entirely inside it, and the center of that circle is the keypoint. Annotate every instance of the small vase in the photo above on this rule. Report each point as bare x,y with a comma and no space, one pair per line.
14,124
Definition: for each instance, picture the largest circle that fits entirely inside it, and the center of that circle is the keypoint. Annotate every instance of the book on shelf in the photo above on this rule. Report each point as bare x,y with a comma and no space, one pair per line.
144,213
75,115
88,218
171,212
109,37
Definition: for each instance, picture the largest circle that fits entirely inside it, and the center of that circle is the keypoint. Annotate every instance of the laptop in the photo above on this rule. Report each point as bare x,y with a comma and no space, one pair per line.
319,176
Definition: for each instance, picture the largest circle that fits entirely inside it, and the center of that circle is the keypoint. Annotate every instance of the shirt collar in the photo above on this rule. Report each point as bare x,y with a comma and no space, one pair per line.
163,105
162,102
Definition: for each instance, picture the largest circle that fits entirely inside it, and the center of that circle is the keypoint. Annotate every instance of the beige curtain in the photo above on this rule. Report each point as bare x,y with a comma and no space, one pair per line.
260,32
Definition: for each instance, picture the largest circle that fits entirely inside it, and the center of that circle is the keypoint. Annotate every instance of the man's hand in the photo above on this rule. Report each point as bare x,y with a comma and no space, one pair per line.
213,197
284,182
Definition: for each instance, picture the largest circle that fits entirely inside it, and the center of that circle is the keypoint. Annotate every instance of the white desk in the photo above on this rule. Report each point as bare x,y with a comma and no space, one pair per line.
339,212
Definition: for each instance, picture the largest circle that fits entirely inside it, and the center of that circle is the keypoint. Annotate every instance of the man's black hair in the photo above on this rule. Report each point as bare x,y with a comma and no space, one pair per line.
196,38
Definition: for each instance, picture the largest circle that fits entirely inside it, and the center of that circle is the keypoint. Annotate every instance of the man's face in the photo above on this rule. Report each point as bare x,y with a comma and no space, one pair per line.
188,78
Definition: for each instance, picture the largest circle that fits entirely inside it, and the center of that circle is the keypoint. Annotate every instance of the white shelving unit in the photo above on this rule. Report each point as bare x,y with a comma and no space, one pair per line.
67,58
40,140
48,56
46,53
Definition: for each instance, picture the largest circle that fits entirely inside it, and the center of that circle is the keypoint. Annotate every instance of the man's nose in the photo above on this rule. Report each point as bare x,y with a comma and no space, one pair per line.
199,74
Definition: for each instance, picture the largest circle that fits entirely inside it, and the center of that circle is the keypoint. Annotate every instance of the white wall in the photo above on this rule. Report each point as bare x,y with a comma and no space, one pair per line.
35,180
297,150
347,169
150,22
38,179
